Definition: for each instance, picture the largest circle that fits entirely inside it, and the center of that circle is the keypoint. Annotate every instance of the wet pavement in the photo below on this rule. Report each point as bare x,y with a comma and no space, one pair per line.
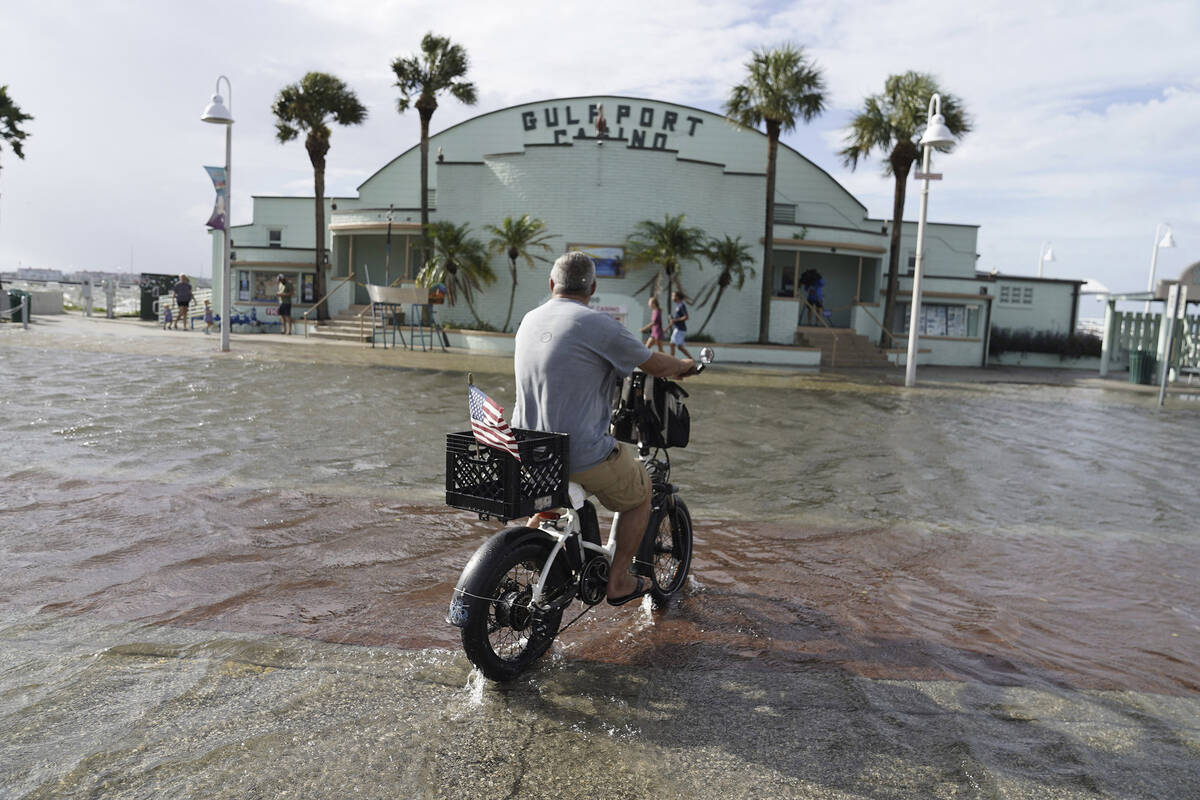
227,575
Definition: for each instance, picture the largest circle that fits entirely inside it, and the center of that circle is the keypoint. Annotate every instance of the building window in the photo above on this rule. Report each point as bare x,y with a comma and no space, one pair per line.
912,261
785,213
1016,295
275,237
943,319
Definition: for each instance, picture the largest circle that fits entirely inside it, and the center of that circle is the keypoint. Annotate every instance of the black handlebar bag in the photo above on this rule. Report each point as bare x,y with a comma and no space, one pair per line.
653,410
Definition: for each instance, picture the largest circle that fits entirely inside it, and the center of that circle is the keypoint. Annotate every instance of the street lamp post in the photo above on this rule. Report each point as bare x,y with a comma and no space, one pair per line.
219,114
1166,241
936,133
1045,255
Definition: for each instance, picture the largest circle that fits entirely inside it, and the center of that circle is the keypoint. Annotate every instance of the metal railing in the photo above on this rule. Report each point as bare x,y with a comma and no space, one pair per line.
195,307
891,336
22,309
304,317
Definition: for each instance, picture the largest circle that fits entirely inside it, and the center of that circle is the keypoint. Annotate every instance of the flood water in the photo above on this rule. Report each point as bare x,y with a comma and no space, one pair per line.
226,576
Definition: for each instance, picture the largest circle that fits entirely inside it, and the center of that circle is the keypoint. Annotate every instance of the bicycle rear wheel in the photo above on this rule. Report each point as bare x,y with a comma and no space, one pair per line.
502,635
668,548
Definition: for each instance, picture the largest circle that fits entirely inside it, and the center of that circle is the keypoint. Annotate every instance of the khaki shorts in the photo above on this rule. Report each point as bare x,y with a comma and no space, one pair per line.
620,482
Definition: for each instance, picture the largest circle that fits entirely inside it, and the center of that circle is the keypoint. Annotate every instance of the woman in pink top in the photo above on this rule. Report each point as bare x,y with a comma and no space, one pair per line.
655,326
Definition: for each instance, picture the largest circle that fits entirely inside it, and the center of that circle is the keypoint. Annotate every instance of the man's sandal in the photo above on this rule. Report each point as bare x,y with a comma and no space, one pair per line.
643,588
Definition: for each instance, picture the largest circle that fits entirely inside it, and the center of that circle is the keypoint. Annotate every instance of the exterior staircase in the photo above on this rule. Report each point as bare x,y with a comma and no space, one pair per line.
842,347
344,326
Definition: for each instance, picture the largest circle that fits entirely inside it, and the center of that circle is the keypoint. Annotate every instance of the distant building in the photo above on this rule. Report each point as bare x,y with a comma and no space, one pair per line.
28,274
552,160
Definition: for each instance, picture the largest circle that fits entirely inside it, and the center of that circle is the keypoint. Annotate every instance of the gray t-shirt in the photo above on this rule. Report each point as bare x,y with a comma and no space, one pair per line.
569,362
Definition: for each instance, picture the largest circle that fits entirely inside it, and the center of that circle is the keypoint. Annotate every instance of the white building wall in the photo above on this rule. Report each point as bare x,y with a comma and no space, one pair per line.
1033,305
950,250
590,194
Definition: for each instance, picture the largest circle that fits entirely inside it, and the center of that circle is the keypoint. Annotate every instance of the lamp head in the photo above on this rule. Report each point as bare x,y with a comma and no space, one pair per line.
936,132
216,112
1049,256
1167,239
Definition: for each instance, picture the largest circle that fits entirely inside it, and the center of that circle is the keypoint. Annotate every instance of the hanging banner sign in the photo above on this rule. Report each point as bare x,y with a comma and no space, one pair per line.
217,220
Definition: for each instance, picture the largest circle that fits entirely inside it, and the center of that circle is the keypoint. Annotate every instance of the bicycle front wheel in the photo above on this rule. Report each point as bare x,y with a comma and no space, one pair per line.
668,548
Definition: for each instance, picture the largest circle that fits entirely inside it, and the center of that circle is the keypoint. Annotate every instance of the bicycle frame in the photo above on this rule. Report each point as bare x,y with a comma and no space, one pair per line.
551,528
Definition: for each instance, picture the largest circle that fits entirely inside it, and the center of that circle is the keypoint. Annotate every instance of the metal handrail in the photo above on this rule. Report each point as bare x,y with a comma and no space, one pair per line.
316,305
882,327
23,308
812,310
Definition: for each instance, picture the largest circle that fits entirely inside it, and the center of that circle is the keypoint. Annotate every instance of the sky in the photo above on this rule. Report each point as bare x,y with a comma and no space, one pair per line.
1085,113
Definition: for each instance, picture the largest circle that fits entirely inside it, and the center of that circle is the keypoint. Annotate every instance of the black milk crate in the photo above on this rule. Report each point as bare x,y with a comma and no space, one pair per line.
492,483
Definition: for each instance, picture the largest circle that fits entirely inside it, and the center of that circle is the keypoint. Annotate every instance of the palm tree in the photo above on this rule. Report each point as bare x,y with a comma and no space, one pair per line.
309,106
781,87
665,245
515,238
11,118
439,67
735,261
457,260
892,123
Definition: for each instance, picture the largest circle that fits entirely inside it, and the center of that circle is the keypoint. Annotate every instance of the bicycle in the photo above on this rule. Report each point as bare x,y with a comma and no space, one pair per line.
512,594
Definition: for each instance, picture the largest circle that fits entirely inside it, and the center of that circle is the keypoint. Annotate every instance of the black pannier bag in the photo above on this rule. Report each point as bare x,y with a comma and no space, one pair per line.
655,405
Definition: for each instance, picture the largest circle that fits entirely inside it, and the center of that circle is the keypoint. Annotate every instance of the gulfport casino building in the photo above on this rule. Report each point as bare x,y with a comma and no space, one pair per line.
547,159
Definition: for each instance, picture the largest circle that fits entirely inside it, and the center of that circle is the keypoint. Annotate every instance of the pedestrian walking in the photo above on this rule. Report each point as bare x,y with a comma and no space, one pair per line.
679,317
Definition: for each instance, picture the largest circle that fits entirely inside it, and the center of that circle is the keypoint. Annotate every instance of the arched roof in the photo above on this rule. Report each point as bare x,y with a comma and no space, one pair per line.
689,131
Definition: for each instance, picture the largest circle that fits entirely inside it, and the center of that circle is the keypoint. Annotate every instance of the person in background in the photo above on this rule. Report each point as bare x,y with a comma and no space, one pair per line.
284,294
166,323
208,317
85,296
816,298
110,298
183,298
655,327
812,286
679,317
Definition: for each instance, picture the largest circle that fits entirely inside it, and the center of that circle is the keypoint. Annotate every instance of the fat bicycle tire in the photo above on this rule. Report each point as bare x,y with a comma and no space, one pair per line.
668,548
500,635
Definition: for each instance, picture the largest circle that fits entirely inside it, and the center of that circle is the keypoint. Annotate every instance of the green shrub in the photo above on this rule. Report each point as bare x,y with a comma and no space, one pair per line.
470,326
1063,345
703,338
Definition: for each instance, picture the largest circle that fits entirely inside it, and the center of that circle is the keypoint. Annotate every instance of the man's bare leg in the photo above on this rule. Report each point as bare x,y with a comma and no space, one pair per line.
630,529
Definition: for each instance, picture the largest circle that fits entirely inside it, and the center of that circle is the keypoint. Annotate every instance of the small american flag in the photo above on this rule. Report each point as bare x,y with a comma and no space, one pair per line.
487,422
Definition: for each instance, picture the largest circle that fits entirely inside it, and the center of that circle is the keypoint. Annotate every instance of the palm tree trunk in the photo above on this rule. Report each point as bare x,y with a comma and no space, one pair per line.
470,305
319,282
426,116
512,293
900,169
768,273
712,310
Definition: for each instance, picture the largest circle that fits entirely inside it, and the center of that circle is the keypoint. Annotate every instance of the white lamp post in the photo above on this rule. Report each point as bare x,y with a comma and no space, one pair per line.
936,133
1045,254
1166,241
218,114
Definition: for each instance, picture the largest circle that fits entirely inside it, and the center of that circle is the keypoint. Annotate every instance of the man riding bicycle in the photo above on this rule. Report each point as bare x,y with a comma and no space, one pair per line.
569,362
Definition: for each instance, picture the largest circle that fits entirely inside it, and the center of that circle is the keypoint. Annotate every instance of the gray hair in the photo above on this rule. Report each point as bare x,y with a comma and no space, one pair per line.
573,273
